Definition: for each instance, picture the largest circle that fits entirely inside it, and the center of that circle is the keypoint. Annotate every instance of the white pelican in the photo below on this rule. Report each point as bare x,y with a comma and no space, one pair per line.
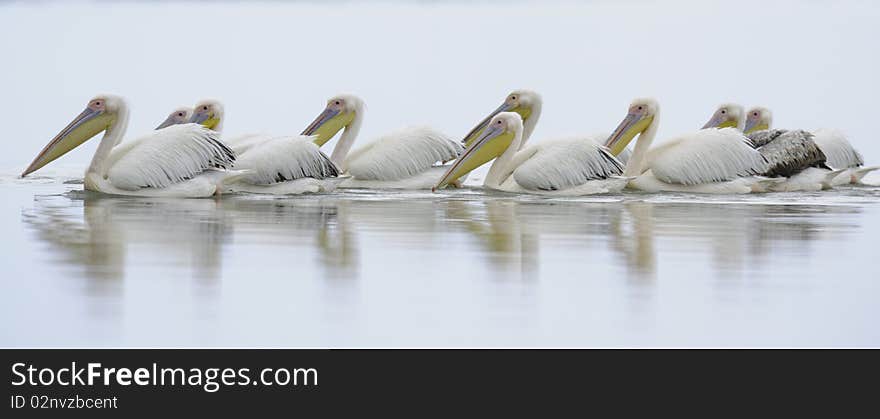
838,151
178,161
528,105
792,156
568,167
404,159
278,165
180,115
706,161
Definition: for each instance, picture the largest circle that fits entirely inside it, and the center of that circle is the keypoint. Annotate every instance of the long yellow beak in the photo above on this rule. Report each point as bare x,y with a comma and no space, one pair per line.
490,144
85,126
205,118
524,112
327,124
720,121
753,125
631,126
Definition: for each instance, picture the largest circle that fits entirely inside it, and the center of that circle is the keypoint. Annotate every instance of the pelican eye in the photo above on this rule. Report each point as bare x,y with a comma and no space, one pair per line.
205,108
723,111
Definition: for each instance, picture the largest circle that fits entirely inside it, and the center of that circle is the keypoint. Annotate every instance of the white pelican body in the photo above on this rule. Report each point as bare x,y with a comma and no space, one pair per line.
842,155
409,158
562,168
711,160
404,159
288,165
276,165
568,167
178,161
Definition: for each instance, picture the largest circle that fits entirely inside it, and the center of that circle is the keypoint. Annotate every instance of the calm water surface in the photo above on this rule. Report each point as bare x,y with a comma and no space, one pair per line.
460,268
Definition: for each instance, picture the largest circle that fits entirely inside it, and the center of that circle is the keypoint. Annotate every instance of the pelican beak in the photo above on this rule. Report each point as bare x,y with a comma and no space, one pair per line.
631,126
327,124
753,125
167,122
489,145
85,126
206,118
714,122
477,130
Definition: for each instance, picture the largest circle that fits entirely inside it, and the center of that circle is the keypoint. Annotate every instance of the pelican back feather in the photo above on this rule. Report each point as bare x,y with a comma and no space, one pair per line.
402,154
281,159
565,164
168,156
706,156
789,152
839,152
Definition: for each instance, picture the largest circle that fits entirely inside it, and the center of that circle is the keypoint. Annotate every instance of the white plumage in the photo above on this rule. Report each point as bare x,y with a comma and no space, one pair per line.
569,167
280,159
839,153
564,164
242,143
706,156
167,156
401,154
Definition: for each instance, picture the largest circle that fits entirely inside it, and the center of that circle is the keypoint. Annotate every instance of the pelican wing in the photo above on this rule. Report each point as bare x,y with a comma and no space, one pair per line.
281,159
565,164
708,155
402,154
788,152
839,152
167,156
764,137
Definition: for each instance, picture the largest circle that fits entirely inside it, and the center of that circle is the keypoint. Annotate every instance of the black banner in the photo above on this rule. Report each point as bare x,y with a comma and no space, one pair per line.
61,383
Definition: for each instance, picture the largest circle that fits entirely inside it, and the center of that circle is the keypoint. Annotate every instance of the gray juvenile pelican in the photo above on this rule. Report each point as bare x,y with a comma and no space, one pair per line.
178,161
839,152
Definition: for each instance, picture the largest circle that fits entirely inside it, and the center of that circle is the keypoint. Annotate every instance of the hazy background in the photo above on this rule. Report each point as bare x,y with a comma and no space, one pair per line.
455,268
274,64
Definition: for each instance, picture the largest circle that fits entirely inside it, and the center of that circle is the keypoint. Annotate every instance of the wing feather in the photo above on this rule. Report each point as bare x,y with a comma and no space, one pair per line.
280,159
788,152
565,164
167,156
402,154
839,152
706,156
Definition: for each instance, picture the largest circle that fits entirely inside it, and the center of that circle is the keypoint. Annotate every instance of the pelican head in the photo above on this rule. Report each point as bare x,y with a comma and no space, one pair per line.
339,113
208,112
180,115
639,118
526,103
99,115
494,140
727,115
758,118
